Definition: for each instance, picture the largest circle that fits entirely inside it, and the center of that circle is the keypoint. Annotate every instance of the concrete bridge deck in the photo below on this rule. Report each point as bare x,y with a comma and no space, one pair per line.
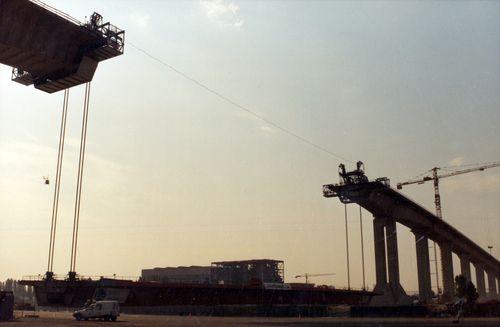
50,49
388,207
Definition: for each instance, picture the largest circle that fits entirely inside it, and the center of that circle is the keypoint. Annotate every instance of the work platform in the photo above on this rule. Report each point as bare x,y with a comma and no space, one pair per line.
390,207
50,49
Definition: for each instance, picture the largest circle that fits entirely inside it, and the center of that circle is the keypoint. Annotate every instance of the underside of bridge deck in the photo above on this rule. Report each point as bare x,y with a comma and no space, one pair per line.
51,50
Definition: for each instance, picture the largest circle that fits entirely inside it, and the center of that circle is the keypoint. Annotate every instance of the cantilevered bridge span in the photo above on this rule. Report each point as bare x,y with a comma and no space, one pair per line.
50,49
390,207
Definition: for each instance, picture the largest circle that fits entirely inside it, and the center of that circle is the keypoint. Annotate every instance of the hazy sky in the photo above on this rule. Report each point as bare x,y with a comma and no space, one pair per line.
176,176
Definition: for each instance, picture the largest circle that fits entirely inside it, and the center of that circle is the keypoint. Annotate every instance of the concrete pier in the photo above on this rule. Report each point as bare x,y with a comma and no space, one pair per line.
423,267
492,285
392,252
380,259
447,271
480,284
386,260
465,266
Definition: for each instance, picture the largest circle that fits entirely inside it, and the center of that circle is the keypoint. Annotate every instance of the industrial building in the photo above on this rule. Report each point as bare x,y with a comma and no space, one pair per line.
244,272
248,271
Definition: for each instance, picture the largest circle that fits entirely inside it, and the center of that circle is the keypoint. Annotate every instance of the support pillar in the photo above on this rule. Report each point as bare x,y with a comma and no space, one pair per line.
492,285
480,285
447,271
465,266
391,292
423,267
392,252
498,287
379,246
397,290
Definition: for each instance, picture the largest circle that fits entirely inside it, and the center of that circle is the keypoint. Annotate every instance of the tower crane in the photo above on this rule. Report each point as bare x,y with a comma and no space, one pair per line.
307,276
433,175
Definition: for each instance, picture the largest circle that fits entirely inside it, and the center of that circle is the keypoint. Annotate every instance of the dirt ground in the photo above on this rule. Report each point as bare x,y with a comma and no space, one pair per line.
65,319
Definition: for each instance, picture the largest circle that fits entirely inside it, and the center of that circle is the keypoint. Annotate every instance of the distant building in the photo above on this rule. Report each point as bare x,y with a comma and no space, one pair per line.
190,275
243,272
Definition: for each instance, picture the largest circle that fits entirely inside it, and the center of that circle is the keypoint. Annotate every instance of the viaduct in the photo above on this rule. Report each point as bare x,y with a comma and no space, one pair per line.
389,207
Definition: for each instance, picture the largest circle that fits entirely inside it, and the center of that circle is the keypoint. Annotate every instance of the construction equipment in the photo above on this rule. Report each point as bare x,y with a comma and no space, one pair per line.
432,175
307,276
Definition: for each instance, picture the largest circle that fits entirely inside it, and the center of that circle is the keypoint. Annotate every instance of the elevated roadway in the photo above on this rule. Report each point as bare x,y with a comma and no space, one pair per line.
388,207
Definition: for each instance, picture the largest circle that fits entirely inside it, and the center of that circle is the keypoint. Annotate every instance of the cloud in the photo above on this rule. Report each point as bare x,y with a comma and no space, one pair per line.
222,12
267,130
140,20
475,182
458,161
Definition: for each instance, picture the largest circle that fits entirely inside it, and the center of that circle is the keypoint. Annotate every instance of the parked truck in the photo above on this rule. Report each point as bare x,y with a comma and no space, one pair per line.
105,310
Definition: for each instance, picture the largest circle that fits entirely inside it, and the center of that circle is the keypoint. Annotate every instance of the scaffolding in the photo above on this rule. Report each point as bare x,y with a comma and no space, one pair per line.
248,272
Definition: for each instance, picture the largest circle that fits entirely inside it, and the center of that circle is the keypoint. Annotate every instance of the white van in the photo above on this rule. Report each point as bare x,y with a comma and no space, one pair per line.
107,310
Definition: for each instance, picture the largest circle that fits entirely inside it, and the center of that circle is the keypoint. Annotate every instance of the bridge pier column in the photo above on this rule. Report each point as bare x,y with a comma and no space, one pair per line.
465,266
492,285
423,267
393,261
498,287
379,245
392,252
480,285
447,271
384,230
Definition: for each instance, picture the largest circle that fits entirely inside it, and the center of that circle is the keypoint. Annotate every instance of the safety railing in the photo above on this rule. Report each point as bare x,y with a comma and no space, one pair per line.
57,12
40,277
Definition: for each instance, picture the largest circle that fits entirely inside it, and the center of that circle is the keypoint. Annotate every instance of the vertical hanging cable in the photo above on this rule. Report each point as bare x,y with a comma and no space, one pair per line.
362,247
55,203
347,248
76,218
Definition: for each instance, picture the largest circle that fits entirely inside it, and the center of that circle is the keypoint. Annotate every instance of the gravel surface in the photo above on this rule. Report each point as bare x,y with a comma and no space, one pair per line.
65,319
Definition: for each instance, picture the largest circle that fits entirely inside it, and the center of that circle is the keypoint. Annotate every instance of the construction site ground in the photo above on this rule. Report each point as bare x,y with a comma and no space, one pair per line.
65,319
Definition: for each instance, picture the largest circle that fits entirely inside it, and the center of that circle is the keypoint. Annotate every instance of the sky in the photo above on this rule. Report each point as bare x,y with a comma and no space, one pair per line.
174,175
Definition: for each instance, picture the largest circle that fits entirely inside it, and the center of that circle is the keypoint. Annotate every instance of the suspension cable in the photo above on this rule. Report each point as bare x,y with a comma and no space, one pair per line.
347,247
76,218
362,247
55,202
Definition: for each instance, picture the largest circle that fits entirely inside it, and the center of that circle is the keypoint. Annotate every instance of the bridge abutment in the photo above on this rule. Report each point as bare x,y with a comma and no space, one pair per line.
423,266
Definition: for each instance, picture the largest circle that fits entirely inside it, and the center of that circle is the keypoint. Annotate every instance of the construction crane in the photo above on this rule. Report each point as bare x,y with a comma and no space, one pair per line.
306,275
432,175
